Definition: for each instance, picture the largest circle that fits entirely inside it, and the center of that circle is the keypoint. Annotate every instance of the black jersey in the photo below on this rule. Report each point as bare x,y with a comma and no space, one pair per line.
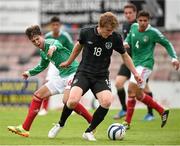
97,51
126,28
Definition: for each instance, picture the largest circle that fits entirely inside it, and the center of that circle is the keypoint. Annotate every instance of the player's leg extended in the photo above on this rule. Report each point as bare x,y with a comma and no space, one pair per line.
149,116
35,105
44,107
131,104
74,98
79,108
120,81
146,99
105,99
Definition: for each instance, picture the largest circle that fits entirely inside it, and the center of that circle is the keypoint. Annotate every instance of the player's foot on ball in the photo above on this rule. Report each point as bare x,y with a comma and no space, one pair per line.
18,130
54,131
126,125
89,136
164,118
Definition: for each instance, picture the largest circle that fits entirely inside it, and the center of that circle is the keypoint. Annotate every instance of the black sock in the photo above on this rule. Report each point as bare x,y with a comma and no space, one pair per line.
150,111
122,97
98,117
65,114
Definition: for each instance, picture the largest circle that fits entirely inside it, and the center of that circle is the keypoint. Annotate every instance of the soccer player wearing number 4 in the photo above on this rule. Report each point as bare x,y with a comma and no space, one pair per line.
51,50
124,73
142,39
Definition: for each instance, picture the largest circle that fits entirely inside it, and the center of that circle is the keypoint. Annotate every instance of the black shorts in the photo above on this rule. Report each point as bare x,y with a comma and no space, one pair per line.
86,82
124,71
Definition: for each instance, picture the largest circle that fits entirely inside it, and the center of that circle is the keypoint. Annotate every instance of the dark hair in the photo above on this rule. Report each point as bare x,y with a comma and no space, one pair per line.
55,19
143,13
132,6
32,31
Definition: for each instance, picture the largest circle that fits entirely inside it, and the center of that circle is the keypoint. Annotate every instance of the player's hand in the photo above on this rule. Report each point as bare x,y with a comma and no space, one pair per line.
51,51
25,75
175,64
138,78
64,64
126,45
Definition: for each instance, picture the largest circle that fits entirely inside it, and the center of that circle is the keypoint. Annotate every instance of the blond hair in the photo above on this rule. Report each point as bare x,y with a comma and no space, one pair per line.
108,19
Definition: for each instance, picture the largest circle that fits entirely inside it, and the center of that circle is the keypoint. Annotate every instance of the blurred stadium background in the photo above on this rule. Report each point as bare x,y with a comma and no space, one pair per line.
17,54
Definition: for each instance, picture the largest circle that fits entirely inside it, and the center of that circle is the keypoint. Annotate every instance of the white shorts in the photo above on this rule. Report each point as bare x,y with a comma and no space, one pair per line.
144,72
52,72
58,84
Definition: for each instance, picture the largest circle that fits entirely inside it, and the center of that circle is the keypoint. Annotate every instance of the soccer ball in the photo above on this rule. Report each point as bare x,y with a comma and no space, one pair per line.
116,131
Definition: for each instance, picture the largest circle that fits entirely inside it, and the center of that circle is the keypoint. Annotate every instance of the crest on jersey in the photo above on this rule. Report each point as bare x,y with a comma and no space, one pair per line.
108,45
145,38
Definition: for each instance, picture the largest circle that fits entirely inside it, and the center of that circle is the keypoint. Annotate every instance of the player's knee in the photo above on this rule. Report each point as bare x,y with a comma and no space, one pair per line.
64,101
37,96
41,94
106,103
119,85
71,104
139,96
131,93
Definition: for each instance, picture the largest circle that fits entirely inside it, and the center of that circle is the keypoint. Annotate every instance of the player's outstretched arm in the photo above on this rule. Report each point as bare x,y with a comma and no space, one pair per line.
76,50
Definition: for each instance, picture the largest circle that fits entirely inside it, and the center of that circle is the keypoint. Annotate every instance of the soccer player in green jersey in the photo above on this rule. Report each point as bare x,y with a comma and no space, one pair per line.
142,39
51,50
124,74
66,40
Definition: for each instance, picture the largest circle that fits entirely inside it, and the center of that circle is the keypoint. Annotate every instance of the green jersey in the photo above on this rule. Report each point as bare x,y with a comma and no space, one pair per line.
60,55
64,39
143,43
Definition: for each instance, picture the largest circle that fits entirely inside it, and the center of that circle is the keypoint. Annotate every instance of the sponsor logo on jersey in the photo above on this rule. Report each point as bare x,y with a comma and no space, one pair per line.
108,45
89,42
133,34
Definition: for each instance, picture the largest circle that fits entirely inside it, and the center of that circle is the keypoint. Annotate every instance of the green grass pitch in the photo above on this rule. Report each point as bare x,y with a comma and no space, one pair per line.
141,132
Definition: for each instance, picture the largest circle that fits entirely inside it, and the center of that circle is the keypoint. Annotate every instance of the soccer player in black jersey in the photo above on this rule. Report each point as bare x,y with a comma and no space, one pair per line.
97,43
124,73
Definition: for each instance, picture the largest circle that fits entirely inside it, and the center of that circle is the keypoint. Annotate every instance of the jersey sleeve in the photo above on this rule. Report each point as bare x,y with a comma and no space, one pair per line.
82,36
161,39
69,42
42,65
119,44
128,37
